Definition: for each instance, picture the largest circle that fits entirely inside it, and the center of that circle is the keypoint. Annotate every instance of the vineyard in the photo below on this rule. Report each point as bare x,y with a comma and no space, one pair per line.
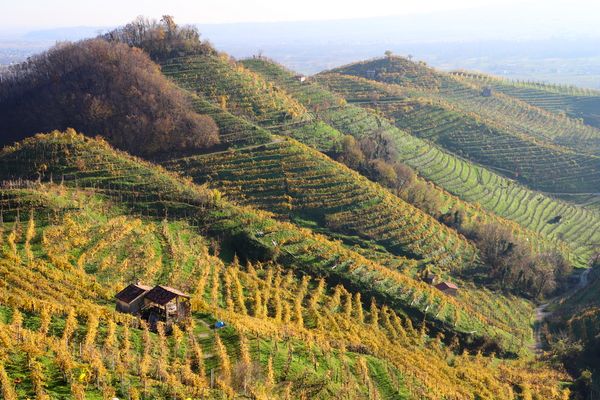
470,182
233,131
468,96
233,88
575,102
253,235
509,152
291,179
290,334
382,230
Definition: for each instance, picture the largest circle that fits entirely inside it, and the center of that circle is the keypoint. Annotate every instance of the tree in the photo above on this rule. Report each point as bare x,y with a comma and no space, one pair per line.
351,153
102,88
161,39
6,387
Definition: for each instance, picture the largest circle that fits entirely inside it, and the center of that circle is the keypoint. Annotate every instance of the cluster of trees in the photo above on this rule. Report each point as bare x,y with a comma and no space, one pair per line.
161,39
374,157
514,266
101,88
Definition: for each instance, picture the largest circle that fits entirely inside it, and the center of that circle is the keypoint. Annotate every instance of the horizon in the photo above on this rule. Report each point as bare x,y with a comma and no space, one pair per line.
490,36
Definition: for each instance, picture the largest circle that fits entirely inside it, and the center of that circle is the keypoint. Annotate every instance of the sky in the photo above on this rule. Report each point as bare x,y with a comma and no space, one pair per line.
43,14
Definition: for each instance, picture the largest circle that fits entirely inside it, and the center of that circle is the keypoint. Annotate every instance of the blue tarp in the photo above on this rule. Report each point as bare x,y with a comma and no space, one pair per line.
219,324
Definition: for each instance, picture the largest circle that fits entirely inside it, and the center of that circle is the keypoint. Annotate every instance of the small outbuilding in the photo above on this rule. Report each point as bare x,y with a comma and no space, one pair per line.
166,304
431,279
447,287
300,78
131,299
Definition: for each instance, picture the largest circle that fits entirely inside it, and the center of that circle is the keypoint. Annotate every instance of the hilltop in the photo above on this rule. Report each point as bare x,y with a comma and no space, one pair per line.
102,88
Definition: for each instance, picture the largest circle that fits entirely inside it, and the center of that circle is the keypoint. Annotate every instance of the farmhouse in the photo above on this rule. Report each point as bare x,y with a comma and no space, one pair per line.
161,303
448,288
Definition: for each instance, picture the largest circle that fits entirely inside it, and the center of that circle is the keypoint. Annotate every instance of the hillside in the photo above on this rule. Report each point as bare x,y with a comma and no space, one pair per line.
108,200
514,138
379,231
295,181
509,152
575,102
467,181
227,79
468,96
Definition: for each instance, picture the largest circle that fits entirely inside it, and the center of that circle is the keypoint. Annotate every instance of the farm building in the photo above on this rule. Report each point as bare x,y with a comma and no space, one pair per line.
448,288
300,78
131,299
431,278
160,303
166,304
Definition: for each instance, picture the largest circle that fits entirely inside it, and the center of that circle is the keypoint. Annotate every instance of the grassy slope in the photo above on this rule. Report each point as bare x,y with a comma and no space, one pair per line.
463,179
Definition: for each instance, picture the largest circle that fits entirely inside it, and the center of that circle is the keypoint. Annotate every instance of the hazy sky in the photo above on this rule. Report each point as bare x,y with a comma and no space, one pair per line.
27,14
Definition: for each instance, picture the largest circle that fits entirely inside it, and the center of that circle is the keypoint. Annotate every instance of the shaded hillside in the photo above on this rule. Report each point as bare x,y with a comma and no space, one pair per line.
101,88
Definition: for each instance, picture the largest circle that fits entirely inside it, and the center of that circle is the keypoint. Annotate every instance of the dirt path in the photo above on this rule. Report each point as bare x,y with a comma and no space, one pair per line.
541,312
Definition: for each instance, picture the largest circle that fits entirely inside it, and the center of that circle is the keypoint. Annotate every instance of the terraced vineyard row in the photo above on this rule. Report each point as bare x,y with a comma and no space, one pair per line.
538,165
233,87
291,178
576,226
233,131
282,329
466,96
575,102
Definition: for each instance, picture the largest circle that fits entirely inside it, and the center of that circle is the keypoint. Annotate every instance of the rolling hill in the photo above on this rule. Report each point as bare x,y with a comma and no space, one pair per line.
575,102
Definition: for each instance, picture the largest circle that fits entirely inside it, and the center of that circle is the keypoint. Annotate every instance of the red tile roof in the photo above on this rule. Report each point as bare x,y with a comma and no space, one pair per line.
446,285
